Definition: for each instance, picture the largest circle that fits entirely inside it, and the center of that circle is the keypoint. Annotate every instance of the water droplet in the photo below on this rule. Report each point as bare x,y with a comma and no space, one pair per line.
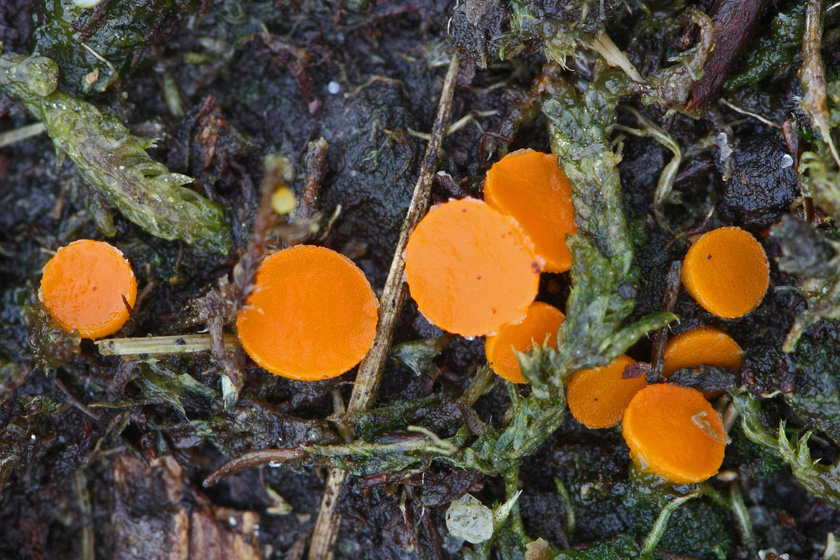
787,161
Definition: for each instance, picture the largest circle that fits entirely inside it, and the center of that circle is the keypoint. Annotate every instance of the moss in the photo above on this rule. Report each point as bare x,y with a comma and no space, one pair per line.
93,47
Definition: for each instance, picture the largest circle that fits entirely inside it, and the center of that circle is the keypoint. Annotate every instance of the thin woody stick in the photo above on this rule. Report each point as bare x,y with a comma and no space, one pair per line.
393,294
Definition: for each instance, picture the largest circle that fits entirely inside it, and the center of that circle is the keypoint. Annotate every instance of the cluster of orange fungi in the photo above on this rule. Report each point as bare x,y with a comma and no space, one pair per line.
473,267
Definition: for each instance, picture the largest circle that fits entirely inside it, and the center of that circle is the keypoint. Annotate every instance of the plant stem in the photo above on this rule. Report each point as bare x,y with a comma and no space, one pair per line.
160,345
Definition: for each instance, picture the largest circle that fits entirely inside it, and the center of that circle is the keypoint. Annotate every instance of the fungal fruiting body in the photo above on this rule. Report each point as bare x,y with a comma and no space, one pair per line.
89,286
539,326
530,187
312,314
597,397
674,432
703,345
726,272
470,268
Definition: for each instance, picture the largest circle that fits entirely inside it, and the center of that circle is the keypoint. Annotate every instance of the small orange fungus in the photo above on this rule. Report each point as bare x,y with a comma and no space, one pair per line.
89,286
312,314
597,397
674,432
471,269
540,325
530,186
726,271
703,345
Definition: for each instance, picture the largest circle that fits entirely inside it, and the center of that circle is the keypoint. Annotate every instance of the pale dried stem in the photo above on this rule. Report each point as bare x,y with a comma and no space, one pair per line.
812,75
161,345
22,133
370,370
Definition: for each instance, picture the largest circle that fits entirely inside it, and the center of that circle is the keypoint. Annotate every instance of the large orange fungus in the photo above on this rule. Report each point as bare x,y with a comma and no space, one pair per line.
674,432
471,269
312,314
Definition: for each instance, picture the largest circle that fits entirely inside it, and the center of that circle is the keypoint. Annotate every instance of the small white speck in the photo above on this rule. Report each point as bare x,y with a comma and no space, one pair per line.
333,87
232,521
32,437
275,464
787,161
122,167
87,3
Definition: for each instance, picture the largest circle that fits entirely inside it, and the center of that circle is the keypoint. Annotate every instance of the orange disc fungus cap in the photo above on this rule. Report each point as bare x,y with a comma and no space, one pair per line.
703,345
540,326
471,269
597,397
312,314
674,432
530,186
726,271
89,286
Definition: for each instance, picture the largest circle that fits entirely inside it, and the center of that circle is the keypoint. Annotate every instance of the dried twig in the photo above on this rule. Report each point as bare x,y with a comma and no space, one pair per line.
660,337
370,370
316,170
87,543
221,306
253,459
74,401
752,114
735,22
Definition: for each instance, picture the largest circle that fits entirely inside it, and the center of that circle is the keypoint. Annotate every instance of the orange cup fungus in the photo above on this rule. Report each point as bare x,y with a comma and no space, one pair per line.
89,286
726,271
540,325
530,187
703,345
471,269
597,397
312,314
674,432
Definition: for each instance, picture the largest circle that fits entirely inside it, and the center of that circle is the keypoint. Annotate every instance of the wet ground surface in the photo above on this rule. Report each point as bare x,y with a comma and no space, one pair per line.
122,477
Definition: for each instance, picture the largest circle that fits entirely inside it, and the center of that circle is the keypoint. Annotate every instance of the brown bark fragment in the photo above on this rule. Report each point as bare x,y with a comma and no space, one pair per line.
157,514
735,23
